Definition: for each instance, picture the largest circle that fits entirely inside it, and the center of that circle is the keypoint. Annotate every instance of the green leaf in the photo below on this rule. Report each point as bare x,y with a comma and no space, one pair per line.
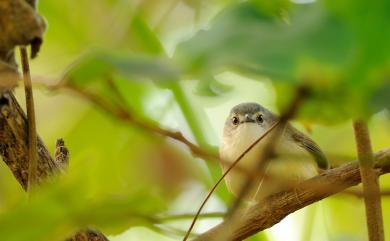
317,44
118,177
244,38
105,74
380,97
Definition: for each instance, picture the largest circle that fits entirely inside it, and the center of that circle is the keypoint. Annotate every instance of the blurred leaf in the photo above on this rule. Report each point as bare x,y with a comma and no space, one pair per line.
211,87
98,65
118,77
121,177
380,97
245,38
142,38
311,44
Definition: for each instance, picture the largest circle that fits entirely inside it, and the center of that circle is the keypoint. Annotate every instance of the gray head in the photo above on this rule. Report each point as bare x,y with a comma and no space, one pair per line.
248,114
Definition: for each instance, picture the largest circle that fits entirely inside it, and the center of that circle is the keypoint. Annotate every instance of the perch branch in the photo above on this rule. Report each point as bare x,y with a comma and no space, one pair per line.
273,209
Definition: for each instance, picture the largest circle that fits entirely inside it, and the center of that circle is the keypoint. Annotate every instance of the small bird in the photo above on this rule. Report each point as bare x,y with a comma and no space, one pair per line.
296,156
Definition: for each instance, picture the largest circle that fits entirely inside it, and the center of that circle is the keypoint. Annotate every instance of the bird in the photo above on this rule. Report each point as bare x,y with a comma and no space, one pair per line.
296,157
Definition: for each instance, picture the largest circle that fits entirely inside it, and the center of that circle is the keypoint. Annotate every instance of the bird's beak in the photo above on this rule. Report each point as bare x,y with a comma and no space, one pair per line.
248,118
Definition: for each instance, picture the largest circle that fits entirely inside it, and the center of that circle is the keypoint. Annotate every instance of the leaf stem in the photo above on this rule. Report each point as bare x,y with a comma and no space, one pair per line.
190,114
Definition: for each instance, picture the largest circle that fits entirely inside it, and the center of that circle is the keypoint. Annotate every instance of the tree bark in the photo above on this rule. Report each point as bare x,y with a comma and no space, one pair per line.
13,142
20,24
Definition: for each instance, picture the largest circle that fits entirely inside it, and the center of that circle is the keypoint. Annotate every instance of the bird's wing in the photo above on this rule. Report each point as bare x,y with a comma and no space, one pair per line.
309,145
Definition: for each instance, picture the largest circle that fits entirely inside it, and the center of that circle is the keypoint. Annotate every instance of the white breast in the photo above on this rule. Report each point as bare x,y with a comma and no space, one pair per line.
291,164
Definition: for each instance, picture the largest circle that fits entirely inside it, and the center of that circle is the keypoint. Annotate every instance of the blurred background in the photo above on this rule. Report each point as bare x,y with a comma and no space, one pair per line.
181,65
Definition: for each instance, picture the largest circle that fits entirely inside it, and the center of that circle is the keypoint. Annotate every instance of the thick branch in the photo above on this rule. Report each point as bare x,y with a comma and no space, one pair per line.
13,142
273,209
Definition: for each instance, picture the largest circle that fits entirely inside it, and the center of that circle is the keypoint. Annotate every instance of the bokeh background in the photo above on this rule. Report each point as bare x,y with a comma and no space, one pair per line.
181,65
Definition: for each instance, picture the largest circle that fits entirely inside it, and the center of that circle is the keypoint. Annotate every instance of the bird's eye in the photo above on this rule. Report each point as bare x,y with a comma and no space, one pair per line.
259,118
235,120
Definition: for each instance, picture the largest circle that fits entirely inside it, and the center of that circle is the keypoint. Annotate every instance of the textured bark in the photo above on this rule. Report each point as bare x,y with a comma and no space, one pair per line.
13,142
14,152
20,24
273,209
89,235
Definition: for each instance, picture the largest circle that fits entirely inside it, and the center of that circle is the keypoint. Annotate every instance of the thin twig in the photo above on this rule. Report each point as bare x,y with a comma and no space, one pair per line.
114,88
274,208
32,133
175,217
223,176
123,114
371,188
127,116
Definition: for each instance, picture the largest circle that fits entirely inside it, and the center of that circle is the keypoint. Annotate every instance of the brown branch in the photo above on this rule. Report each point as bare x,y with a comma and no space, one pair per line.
31,127
371,188
122,113
13,142
126,116
273,209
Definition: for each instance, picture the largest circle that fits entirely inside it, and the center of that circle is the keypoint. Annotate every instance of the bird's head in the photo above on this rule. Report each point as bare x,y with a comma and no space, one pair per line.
247,118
